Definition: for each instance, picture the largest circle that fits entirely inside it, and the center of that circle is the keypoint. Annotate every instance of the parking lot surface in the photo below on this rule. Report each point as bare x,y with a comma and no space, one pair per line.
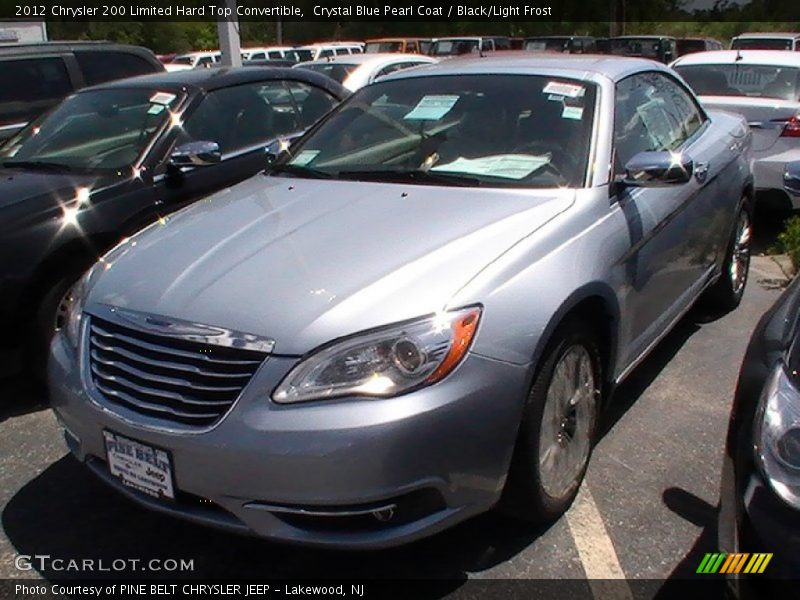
647,509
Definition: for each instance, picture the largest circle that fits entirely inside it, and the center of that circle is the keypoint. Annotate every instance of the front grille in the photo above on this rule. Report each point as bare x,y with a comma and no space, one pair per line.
166,377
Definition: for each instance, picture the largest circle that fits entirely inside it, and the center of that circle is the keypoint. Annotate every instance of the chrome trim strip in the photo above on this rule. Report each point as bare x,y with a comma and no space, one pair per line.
179,329
275,508
19,125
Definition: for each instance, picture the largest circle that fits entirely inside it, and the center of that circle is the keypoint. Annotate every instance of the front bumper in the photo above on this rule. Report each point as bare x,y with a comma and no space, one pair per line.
313,473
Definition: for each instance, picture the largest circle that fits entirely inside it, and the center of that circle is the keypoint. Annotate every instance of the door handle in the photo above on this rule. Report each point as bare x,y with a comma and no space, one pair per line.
701,171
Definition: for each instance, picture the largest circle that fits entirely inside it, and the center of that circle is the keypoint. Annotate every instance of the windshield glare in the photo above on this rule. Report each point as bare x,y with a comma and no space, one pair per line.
337,71
493,130
764,81
94,131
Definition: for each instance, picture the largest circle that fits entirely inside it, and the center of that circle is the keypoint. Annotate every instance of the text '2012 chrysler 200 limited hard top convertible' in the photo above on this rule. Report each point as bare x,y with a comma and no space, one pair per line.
419,312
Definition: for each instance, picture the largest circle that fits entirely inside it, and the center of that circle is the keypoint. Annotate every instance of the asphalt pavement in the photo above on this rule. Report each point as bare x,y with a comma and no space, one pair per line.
647,509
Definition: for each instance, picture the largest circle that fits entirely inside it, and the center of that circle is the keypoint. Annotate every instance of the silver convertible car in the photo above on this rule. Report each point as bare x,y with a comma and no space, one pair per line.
419,312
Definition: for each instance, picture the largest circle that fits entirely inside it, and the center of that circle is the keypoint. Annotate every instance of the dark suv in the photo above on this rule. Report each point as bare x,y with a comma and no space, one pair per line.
36,77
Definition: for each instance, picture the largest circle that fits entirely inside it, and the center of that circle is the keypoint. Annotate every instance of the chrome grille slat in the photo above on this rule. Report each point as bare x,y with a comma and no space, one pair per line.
166,377
163,364
165,395
96,358
166,350
153,407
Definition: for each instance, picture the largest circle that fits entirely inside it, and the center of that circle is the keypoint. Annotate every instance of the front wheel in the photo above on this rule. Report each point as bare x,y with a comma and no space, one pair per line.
726,294
558,427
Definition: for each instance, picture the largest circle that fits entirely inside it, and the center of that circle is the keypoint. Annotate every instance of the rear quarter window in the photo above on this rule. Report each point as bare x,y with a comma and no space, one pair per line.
30,86
102,66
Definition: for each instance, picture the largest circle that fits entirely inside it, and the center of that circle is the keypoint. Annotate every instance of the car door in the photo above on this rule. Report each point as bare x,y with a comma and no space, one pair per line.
665,224
243,120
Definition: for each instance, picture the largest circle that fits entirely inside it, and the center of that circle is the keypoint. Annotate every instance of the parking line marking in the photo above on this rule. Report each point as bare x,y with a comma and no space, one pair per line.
595,549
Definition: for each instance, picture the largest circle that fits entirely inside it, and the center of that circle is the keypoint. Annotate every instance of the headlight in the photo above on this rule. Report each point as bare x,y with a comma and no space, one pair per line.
75,303
385,362
777,436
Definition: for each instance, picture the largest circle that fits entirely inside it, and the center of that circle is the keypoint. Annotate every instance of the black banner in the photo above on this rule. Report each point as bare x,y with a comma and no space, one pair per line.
400,11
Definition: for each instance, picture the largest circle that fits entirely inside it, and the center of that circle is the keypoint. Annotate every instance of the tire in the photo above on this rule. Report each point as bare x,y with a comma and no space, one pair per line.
535,491
726,293
49,318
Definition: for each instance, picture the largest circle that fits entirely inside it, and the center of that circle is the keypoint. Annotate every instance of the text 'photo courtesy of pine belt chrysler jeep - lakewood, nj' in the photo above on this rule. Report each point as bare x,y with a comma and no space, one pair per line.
418,312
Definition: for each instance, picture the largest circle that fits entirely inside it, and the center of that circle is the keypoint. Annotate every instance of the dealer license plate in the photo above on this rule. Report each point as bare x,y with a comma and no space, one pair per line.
139,466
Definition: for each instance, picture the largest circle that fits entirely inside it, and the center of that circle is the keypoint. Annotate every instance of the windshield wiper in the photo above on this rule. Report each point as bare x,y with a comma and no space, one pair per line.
417,176
299,171
40,165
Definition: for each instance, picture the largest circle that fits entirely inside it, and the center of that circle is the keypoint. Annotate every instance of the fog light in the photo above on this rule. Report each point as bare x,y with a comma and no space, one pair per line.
788,447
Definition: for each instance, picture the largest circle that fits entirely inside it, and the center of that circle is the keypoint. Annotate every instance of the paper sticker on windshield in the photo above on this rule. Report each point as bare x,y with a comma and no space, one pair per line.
572,112
569,90
164,98
507,166
432,108
156,109
304,157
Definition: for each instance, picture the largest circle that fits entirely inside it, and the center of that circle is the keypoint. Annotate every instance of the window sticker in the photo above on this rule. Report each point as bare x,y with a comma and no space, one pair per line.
655,119
164,98
432,108
572,112
569,90
304,157
507,166
156,109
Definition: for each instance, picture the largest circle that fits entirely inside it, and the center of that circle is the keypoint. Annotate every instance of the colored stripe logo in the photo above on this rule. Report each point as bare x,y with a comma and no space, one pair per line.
741,562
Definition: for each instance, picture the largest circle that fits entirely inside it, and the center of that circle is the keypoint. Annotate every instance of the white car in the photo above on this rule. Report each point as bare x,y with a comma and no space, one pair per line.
764,87
319,51
193,60
766,41
358,70
270,53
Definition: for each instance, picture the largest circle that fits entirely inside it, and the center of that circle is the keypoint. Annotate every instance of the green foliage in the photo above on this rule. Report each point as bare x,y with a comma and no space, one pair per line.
788,241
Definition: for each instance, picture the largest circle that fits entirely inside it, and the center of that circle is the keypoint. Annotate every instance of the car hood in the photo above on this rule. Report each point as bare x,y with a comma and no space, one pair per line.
19,186
307,261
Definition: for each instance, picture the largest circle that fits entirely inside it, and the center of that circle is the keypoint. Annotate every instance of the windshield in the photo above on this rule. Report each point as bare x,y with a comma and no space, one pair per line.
182,60
384,47
101,130
649,48
492,130
337,71
547,45
453,47
759,81
761,44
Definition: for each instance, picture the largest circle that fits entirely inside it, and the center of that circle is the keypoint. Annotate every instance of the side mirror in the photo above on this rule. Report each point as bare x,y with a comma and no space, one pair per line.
196,154
657,169
791,178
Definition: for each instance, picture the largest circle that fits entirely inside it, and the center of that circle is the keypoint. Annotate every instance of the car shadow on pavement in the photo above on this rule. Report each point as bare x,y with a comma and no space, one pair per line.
67,512
20,396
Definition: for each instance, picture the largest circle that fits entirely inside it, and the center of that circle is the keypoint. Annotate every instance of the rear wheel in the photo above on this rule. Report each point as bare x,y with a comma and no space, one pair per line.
726,294
558,427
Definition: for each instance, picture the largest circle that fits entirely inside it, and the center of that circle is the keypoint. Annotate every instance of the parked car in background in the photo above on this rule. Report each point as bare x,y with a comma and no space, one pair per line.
764,87
270,62
691,45
165,58
760,491
286,53
656,47
456,46
112,158
36,77
358,70
569,44
194,60
423,307
319,51
400,44
766,41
